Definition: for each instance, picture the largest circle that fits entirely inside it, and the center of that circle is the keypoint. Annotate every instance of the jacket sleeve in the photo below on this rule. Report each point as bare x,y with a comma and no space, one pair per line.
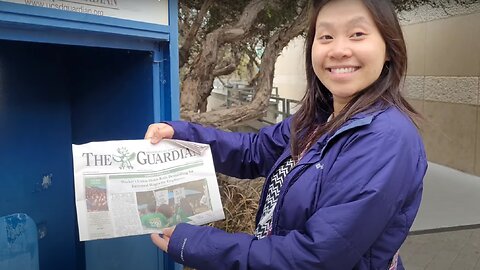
366,186
241,155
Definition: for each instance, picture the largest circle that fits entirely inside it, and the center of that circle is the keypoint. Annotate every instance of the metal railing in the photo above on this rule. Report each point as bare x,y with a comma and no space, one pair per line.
278,108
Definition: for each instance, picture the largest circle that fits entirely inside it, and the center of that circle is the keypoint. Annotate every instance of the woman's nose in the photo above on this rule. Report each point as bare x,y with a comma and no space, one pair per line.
339,50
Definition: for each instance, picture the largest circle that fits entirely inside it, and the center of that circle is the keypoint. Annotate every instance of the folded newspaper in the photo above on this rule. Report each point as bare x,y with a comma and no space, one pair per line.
133,187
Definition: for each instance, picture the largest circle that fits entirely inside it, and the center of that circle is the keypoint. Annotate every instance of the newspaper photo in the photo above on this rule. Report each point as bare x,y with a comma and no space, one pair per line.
133,187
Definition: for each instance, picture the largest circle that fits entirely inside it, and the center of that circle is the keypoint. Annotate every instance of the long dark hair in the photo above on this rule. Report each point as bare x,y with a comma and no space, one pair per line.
309,123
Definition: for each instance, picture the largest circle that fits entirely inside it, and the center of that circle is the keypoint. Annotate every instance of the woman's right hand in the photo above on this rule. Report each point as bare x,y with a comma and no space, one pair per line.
158,131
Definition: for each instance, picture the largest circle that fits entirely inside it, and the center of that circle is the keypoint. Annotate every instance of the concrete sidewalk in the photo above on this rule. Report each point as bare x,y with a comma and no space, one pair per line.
446,232
450,199
455,250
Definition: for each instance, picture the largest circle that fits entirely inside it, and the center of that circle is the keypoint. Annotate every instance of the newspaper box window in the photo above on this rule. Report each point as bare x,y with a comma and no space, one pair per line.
73,72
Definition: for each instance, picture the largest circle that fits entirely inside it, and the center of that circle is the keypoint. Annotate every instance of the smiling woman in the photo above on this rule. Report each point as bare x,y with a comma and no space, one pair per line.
344,175
348,53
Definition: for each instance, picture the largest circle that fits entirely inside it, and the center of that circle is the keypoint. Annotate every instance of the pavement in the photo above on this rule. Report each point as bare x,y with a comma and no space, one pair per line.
446,232
455,250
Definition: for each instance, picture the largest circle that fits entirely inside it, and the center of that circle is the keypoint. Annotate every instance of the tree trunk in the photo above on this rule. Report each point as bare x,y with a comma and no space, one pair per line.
189,38
228,117
198,83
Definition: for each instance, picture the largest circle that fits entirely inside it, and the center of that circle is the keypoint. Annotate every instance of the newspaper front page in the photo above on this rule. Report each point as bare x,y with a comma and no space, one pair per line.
133,187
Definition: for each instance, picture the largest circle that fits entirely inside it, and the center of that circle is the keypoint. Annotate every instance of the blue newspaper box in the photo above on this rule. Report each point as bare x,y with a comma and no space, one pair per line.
74,71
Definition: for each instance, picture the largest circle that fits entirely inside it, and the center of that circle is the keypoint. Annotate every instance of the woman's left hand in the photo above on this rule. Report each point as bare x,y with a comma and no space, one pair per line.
162,241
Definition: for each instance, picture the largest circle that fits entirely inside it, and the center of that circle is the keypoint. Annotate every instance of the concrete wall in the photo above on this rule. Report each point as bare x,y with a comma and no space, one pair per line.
290,71
443,83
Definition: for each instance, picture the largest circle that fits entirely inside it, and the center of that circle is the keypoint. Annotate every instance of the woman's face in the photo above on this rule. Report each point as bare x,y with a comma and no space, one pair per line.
348,51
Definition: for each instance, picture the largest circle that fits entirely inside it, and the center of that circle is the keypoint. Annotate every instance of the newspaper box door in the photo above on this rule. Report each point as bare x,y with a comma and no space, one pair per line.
76,72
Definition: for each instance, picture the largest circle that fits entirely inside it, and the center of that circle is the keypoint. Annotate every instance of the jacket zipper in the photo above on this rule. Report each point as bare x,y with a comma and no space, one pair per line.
358,123
263,195
281,196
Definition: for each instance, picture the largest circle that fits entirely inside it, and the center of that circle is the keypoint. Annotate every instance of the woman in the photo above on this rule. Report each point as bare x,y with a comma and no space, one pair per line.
344,174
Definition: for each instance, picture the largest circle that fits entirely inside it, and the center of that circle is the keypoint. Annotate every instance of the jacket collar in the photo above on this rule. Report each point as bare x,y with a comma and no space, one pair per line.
360,119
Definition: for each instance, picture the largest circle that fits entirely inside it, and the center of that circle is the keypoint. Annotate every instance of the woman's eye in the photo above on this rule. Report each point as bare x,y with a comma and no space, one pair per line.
358,34
324,37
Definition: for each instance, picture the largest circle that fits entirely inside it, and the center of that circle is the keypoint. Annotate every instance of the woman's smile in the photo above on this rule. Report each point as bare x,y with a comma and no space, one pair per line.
342,72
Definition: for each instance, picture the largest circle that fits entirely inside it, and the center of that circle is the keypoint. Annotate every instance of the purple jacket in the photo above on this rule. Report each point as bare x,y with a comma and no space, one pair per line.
348,204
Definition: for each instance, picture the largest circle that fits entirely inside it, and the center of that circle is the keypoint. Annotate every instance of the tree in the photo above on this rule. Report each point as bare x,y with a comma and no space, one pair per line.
215,36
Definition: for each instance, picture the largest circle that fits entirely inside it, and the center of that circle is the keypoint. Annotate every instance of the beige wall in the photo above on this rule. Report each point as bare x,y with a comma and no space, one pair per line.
290,71
442,82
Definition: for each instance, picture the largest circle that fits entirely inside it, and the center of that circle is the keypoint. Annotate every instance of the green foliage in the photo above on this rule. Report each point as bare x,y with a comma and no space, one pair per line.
276,16
225,13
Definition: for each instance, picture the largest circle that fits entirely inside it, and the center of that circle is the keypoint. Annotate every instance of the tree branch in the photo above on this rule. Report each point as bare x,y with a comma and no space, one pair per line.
184,51
244,23
225,70
201,77
228,117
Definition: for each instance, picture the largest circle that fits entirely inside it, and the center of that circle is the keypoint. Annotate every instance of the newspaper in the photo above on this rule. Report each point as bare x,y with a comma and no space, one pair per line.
133,187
